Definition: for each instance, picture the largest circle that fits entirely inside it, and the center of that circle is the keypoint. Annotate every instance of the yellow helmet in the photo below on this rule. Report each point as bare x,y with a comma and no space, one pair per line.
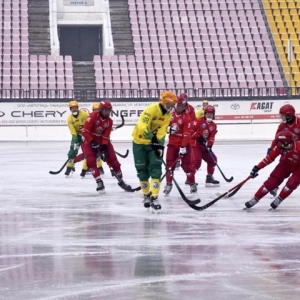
73,103
168,100
96,106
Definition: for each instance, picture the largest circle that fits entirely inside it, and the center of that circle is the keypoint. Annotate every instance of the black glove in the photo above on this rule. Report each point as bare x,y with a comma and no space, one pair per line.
95,146
201,140
208,149
254,172
157,147
104,149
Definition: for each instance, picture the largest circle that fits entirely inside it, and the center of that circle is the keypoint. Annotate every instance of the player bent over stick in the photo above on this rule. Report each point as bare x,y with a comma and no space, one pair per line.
288,166
96,132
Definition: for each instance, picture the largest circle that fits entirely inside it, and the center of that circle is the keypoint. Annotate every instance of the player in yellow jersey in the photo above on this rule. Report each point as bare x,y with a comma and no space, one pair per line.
148,146
200,112
85,169
75,122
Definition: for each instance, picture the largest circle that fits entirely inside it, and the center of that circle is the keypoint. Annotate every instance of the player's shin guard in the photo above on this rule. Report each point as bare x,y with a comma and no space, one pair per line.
155,187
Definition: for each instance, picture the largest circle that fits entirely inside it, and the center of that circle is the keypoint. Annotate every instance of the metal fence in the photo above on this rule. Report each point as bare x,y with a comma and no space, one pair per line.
132,94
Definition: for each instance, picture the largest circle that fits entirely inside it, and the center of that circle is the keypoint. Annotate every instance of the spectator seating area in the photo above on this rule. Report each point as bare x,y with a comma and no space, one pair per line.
284,21
188,45
21,71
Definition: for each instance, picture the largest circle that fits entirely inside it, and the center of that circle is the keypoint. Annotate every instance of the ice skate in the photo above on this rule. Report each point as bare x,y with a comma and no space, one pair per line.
251,202
210,181
146,200
69,171
187,182
276,202
124,186
155,203
167,189
193,188
82,174
100,186
274,192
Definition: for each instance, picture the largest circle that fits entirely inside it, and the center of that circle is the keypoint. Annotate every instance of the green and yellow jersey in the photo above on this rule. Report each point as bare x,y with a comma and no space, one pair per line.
154,120
76,123
200,113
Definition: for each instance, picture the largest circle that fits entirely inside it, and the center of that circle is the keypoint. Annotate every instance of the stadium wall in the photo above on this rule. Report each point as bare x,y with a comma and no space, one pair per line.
46,121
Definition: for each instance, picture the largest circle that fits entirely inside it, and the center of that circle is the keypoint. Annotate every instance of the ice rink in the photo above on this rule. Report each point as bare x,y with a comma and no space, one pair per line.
62,240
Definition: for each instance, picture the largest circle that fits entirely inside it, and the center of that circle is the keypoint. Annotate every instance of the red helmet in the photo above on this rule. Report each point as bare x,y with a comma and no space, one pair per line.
285,139
209,109
182,99
105,105
288,111
105,108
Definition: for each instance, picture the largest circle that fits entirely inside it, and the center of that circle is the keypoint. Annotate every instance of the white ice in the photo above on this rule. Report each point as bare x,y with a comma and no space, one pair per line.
59,239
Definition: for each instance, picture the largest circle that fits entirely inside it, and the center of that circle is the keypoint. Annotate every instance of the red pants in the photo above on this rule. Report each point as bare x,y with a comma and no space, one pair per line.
199,154
91,159
186,162
282,171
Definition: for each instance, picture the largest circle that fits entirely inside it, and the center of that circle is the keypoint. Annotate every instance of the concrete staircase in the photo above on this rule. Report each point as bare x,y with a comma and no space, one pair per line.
38,27
121,28
84,81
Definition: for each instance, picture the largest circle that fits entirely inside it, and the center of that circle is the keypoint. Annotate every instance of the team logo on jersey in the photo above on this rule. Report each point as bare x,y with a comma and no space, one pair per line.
99,130
155,118
296,130
203,125
211,128
179,121
97,122
105,125
161,119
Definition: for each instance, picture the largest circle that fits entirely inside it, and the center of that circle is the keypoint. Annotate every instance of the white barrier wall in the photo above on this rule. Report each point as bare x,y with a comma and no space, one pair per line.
237,120
226,132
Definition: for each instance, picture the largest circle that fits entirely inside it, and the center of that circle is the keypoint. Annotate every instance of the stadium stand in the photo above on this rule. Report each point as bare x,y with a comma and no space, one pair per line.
216,48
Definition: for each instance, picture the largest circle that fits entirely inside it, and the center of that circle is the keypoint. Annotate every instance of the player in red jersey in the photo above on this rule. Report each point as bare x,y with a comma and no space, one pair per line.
96,132
289,122
202,141
288,167
179,145
188,109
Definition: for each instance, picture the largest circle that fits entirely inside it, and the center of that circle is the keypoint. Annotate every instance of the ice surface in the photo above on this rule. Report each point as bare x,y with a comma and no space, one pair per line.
59,239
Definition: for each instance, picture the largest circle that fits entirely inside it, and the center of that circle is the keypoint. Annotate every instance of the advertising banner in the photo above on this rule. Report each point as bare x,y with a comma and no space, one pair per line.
45,114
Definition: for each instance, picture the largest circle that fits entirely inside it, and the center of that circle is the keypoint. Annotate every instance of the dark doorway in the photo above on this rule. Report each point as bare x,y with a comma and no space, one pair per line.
82,43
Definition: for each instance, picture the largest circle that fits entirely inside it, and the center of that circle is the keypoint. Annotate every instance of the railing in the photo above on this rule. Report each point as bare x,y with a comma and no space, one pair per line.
121,94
